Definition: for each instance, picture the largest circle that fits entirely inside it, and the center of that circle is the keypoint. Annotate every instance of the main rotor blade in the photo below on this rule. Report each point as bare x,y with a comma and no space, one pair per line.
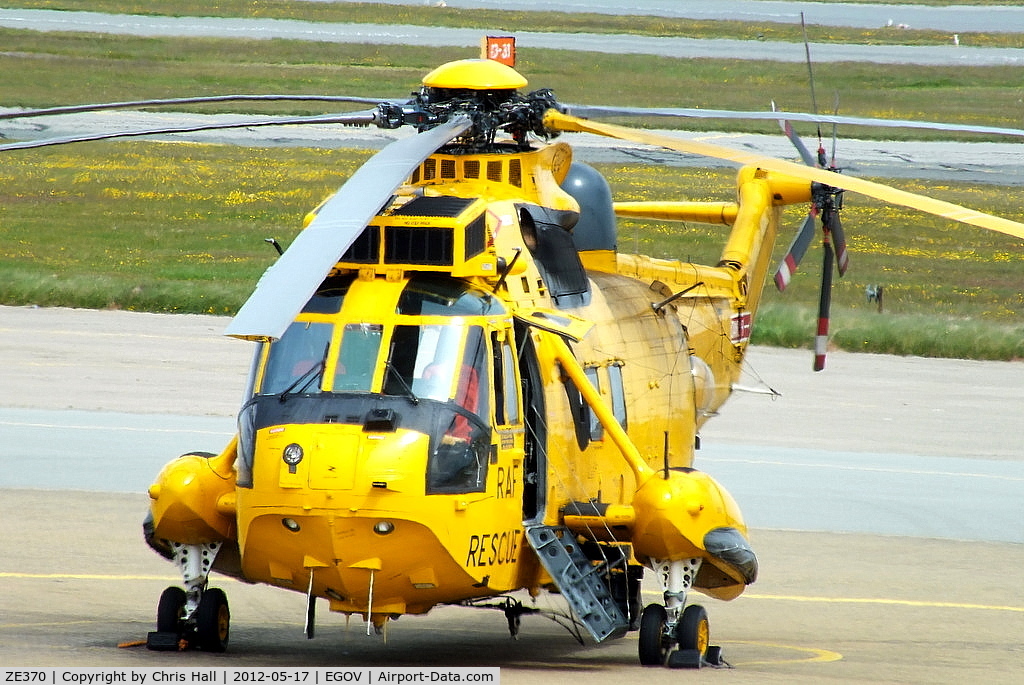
597,112
200,99
563,122
350,119
289,283
797,250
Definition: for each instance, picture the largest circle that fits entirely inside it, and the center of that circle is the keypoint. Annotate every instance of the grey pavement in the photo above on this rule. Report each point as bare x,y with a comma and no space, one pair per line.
955,18
396,34
100,400
96,394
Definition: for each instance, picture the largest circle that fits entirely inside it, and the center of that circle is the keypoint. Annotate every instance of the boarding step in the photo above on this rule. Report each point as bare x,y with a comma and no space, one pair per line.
582,583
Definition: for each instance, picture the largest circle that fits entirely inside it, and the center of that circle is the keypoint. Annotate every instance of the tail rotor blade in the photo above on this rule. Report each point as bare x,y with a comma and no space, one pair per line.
824,304
805,154
795,253
834,226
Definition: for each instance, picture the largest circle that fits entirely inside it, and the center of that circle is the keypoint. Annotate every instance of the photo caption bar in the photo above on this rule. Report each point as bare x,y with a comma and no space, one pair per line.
358,675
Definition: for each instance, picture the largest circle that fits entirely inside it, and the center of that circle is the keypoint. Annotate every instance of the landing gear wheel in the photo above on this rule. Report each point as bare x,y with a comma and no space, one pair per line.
170,611
213,621
654,647
693,630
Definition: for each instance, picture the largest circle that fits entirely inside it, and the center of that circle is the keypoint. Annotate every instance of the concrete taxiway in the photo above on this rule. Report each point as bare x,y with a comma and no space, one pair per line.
830,606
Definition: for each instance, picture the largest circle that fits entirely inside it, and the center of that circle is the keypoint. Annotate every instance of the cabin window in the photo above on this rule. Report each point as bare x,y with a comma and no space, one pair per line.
506,387
295,363
618,392
579,410
596,429
357,357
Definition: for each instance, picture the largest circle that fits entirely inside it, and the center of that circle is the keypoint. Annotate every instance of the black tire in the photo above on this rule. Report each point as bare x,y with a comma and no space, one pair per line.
213,621
653,647
693,630
170,610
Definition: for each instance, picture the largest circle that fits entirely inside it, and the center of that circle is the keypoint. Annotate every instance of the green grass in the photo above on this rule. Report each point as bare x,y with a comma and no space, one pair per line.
149,226
181,227
42,69
949,290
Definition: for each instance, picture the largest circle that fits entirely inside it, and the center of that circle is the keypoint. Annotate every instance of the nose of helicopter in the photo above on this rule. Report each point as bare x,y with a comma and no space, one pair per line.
192,502
674,514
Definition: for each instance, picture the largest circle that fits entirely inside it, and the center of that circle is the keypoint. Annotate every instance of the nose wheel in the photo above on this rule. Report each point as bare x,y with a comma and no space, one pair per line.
213,621
208,628
195,616
655,643
686,644
672,635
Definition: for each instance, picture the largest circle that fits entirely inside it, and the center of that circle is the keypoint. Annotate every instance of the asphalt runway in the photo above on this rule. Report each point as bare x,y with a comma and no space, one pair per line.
77,581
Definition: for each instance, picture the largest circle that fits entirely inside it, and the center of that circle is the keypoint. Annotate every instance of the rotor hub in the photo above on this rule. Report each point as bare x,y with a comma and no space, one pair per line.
475,74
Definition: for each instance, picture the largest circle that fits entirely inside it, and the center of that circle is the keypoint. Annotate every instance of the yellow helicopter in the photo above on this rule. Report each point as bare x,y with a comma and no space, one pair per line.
461,390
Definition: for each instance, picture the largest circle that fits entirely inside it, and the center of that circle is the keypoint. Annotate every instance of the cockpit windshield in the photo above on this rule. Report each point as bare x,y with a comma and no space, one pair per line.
357,358
301,352
424,356
419,358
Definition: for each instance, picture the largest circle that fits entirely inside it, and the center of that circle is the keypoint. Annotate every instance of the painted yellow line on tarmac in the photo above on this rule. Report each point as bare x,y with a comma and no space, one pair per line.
869,600
816,655
887,601
813,654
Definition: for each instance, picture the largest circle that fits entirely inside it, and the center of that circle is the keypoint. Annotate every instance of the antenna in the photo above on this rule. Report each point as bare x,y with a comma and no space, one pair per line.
814,98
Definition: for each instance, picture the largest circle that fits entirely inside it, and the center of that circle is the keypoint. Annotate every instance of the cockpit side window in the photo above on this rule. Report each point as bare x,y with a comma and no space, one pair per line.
295,363
458,462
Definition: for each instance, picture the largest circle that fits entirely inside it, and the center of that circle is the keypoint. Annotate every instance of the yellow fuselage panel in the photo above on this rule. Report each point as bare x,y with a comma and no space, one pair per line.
357,495
533,176
648,352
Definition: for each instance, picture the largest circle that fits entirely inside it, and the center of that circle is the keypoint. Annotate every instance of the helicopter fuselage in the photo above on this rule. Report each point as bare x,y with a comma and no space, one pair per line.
466,372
